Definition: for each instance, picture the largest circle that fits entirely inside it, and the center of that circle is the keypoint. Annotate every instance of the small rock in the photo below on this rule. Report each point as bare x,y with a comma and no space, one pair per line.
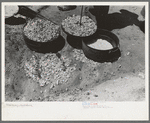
95,95
57,82
113,73
66,89
88,93
142,75
81,88
133,70
128,53
80,78
51,86
77,89
119,58
17,98
41,92
119,66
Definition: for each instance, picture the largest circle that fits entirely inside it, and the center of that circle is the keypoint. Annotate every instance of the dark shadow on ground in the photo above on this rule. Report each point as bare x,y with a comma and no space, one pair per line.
115,20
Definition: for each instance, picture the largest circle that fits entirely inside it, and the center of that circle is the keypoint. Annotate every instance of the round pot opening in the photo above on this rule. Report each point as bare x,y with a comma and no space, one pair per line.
102,55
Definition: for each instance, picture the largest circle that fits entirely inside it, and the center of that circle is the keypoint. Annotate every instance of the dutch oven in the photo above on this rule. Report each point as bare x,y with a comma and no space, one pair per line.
75,41
109,55
53,46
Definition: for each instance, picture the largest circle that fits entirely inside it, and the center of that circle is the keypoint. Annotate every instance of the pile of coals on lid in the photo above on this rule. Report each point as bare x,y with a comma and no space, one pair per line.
41,30
72,25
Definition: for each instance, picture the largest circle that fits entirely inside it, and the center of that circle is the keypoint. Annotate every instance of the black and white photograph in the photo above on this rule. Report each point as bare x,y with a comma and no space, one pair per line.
75,53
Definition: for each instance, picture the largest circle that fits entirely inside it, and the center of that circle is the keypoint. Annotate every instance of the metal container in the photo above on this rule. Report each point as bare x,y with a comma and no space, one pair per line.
45,47
75,41
101,56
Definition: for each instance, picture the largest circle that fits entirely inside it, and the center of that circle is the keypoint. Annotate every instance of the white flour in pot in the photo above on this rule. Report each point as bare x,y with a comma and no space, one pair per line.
101,44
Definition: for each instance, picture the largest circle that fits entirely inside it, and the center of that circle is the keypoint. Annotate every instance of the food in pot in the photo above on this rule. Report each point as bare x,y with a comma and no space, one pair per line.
41,30
72,25
101,44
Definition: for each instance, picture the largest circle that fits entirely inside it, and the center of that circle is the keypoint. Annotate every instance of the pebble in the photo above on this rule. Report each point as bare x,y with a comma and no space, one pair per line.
113,73
80,78
57,82
128,53
88,93
51,86
95,95
66,89
17,98
81,88
142,75
119,58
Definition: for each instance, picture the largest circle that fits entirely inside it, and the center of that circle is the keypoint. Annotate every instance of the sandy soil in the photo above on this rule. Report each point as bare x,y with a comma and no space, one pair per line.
123,80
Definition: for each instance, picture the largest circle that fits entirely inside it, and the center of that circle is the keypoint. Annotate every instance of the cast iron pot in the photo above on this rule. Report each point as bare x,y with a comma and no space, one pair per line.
101,56
45,47
75,41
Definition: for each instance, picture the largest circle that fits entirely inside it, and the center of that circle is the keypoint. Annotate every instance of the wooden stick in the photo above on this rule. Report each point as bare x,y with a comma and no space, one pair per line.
81,14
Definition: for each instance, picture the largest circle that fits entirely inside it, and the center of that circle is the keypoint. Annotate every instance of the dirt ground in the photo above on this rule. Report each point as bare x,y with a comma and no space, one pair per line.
123,80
